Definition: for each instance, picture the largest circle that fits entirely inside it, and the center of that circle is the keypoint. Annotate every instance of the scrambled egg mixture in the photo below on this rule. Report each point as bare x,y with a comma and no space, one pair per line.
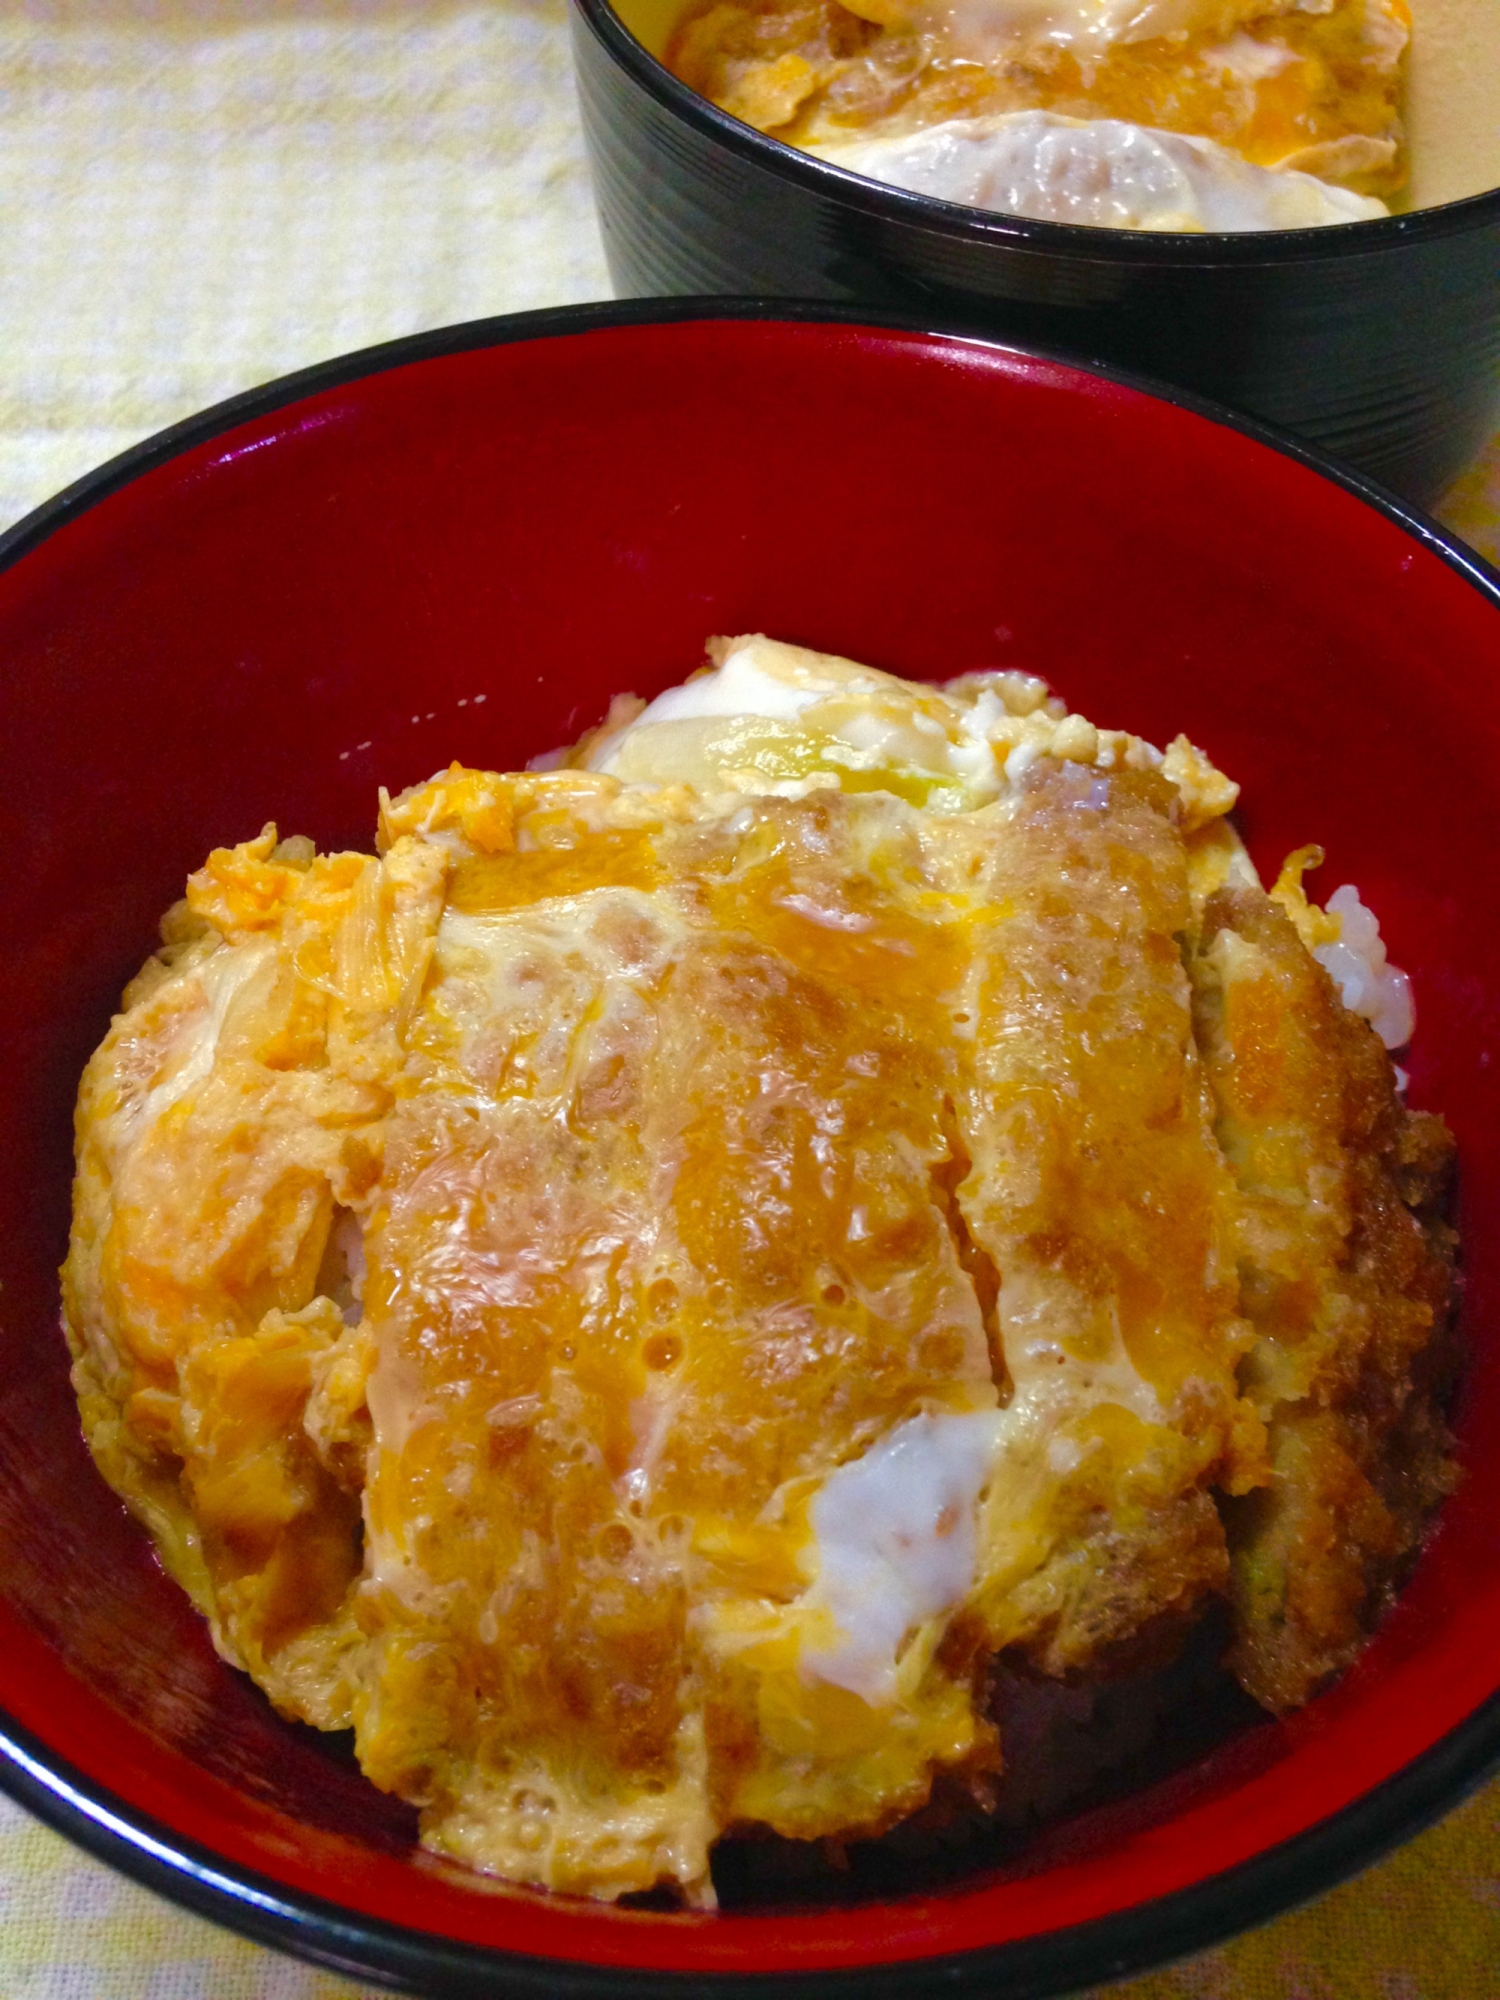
636,1297
1144,114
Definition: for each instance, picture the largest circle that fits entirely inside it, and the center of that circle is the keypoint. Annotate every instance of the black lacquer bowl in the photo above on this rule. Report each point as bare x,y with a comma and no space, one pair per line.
1379,341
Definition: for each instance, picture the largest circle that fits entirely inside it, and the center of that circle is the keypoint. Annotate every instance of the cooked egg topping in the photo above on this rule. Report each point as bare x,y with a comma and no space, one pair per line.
1305,87
632,1296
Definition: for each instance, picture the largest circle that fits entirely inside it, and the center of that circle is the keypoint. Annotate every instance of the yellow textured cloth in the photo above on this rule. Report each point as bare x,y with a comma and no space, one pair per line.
197,195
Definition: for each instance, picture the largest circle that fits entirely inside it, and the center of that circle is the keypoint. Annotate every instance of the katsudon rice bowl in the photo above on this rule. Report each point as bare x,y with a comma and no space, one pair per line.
776,1302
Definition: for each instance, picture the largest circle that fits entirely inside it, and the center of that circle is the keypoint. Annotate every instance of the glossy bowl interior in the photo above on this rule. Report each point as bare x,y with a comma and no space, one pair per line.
1452,80
461,547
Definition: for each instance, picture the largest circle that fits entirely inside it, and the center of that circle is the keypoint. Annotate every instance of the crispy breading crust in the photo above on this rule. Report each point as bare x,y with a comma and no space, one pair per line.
1347,1274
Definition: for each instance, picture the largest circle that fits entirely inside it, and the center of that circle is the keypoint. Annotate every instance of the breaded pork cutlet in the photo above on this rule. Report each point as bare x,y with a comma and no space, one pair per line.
1346,1275
642,1297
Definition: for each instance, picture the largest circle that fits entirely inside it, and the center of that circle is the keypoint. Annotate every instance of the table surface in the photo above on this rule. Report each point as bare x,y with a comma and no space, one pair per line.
203,194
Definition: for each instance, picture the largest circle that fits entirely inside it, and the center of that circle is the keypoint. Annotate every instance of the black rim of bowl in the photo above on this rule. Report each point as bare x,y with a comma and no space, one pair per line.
1082,242
1036,1968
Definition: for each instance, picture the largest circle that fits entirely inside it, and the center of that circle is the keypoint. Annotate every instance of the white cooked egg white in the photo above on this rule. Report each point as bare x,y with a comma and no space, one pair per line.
896,1543
1089,26
1102,172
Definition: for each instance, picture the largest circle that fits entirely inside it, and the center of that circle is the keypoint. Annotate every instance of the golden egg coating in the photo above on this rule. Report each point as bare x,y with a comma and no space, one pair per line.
1314,88
636,1295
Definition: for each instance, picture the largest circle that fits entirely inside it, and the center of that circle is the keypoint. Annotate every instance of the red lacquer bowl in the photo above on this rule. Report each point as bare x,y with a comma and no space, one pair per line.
462,545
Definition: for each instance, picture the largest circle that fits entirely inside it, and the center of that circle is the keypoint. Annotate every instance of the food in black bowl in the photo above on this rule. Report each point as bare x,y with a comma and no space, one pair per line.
1286,210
